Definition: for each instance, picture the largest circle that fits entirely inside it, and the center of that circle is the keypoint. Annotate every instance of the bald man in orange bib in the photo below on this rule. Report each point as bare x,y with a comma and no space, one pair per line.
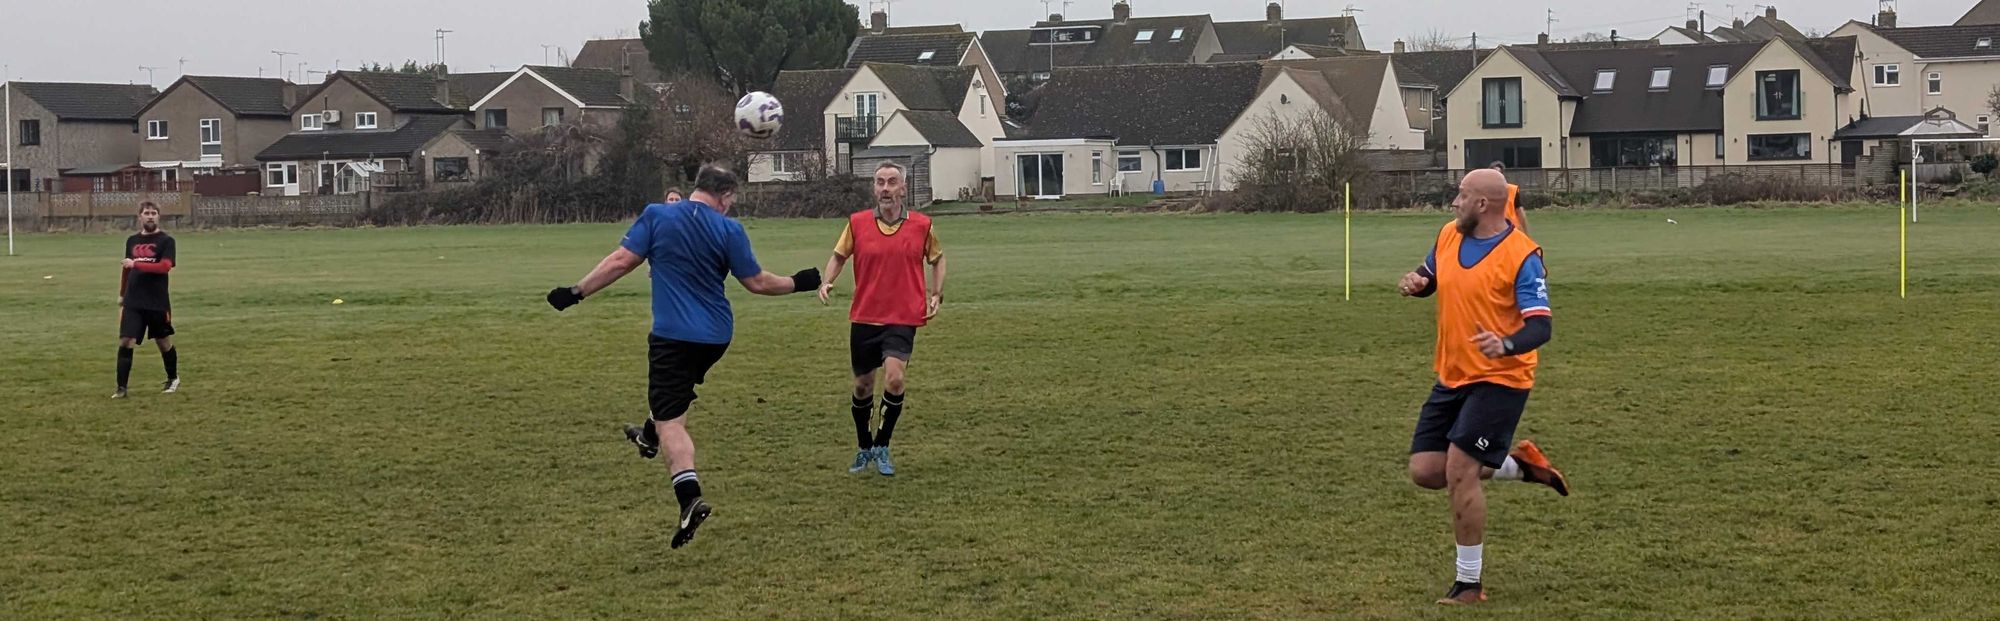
1493,313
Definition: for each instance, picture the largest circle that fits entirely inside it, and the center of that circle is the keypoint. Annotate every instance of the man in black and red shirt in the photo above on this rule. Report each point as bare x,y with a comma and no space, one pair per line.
890,247
142,299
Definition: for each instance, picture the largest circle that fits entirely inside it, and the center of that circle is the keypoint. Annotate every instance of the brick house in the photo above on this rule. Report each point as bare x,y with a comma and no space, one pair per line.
60,126
206,125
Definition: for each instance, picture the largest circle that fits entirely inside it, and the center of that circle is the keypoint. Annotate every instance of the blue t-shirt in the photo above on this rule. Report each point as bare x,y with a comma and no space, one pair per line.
1531,284
691,248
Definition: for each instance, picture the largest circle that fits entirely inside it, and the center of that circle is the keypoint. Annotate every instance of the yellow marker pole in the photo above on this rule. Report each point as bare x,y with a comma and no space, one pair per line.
1903,235
1347,243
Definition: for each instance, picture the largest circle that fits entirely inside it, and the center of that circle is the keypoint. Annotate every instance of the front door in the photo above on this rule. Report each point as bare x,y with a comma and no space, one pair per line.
1041,175
1850,150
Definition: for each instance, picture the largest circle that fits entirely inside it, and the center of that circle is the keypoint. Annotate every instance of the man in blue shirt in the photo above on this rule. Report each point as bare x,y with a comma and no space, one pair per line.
692,246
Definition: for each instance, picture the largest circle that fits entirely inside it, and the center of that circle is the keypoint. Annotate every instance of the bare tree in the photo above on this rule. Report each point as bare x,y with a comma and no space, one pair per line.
1993,100
1301,163
1590,37
1435,40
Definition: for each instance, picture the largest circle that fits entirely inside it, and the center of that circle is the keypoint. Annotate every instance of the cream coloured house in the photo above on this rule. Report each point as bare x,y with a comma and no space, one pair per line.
1908,71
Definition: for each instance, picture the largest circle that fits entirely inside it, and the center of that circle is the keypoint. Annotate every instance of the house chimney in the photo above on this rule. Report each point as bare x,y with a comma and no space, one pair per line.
1886,19
878,22
1274,12
1401,47
1337,39
1121,12
1055,18
1770,12
1693,25
289,92
627,85
1738,23
1543,39
444,86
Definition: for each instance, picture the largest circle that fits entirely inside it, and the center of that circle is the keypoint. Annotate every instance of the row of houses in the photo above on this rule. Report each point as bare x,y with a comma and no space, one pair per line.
1134,103
357,130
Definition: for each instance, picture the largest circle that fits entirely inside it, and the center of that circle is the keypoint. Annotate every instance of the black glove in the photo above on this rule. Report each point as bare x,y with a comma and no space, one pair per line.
806,280
564,297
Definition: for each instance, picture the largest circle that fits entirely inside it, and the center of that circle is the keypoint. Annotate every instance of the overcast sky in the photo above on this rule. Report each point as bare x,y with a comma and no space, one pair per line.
108,40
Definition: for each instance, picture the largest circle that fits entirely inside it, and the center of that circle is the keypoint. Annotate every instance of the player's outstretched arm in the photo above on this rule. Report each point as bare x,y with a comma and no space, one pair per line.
614,266
834,265
766,283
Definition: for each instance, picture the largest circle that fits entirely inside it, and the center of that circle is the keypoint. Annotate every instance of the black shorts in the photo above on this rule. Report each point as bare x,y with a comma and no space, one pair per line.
674,368
140,324
870,345
1479,418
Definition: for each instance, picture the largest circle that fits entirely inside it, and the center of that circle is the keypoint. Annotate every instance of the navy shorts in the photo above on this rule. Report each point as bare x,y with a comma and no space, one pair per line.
1478,418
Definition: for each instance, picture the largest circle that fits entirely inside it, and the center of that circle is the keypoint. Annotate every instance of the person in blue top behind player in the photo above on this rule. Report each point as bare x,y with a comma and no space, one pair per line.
693,246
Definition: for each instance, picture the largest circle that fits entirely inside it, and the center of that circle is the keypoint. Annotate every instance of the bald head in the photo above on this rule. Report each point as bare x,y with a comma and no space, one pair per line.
1482,198
1486,183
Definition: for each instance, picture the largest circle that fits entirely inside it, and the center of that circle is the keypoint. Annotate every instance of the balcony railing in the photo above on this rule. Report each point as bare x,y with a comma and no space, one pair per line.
856,129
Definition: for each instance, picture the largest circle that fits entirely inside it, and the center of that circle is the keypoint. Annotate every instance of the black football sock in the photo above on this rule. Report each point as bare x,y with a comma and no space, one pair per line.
124,365
172,359
863,408
892,407
686,488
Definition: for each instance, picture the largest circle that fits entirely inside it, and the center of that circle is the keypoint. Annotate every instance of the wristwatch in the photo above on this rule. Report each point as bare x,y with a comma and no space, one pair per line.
1507,345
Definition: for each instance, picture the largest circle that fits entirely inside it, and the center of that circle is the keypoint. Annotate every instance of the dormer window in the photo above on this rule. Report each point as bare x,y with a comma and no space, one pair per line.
1144,36
926,56
1605,78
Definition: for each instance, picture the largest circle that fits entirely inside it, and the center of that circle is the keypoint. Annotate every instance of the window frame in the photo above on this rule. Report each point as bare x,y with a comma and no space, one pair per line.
1805,137
464,173
491,114
157,129
311,123
1797,96
545,116
23,135
1096,168
1721,147
1520,115
1143,36
926,56
370,124
1177,35
1985,125
209,126
1934,83
1607,79
1661,79
1717,81
1138,159
1881,73
1170,164
288,174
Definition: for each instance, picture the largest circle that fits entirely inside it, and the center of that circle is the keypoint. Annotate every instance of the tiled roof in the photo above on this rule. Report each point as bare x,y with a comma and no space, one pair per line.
401,92
1444,69
1987,12
1357,81
245,96
1144,105
1945,41
1686,105
1268,38
1116,44
805,95
594,87
77,101
945,49
910,30
467,88
411,134
940,129
926,88
614,54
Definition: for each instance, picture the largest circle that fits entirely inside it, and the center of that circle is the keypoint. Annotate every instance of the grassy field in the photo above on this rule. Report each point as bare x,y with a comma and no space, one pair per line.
1116,417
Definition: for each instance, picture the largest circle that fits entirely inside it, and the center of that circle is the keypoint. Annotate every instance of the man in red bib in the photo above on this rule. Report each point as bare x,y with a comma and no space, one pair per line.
889,247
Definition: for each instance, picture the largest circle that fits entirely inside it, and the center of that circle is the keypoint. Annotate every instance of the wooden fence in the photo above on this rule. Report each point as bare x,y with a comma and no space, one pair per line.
90,210
1632,179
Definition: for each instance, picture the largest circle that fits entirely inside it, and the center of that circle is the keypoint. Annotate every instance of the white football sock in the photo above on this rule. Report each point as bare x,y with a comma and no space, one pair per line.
1509,470
1469,561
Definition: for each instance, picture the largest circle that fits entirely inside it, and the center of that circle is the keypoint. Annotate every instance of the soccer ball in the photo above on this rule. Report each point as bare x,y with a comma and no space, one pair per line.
758,115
